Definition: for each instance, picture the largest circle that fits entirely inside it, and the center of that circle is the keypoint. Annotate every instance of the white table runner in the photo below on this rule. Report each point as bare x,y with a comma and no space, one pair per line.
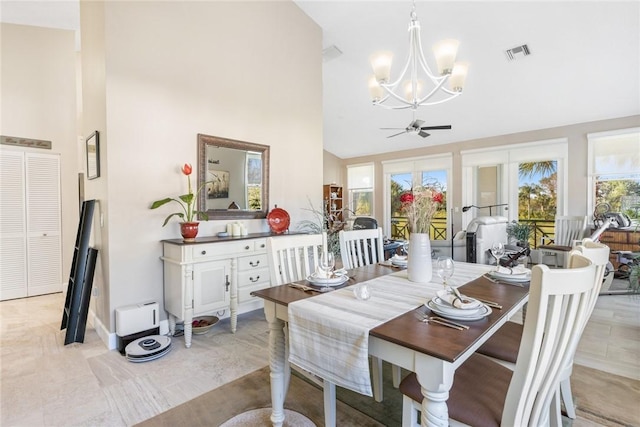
329,333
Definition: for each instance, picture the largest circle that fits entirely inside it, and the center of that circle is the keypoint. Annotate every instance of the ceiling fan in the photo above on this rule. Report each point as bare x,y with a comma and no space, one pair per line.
416,127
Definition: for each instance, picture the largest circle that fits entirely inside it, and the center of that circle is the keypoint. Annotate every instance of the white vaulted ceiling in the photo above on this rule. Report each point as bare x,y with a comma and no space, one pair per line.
584,64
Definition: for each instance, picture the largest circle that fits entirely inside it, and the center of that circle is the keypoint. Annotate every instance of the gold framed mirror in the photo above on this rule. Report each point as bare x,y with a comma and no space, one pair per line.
236,174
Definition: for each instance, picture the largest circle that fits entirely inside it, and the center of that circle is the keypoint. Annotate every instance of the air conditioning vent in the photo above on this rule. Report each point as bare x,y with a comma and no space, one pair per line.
331,52
518,52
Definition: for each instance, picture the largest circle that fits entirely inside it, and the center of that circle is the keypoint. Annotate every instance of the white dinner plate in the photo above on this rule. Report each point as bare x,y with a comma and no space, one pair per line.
331,281
481,313
399,260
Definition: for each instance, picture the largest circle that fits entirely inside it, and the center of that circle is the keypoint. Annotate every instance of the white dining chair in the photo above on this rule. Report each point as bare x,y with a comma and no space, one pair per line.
568,231
485,393
292,258
361,247
503,346
358,248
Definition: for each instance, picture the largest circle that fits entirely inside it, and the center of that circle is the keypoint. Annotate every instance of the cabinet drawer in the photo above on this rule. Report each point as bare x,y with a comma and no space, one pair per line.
244,294
253,262
260,245
226,249
253,277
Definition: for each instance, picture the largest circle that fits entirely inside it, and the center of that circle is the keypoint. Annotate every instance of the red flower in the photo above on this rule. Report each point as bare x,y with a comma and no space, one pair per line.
186,169
437,197
406,198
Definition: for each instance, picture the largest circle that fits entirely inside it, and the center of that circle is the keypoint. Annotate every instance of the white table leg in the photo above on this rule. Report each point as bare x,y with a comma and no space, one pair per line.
276,363
329,393
377,384
435,378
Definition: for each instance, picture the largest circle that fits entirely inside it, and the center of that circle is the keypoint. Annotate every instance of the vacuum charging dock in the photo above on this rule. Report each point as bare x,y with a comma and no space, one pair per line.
136,321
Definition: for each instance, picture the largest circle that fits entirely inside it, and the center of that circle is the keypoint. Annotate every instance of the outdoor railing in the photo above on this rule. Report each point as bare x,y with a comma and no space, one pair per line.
542,229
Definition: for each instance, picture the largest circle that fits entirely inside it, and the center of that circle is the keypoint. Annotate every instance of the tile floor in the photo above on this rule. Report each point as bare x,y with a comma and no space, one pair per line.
44,383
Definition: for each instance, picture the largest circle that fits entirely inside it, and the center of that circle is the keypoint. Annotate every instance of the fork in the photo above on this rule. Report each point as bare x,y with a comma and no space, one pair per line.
430,319
304,288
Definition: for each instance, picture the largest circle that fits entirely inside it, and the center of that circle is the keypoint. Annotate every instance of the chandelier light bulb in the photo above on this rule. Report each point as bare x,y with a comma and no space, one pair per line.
381,64
375,90
445,52
458,76
408,90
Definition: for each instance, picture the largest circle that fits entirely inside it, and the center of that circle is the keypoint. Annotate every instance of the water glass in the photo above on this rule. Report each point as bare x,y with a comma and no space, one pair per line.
445,267
497,250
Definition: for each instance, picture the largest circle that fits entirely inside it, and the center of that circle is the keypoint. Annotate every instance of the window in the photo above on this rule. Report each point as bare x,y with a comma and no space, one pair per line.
614,165
402,175
360,185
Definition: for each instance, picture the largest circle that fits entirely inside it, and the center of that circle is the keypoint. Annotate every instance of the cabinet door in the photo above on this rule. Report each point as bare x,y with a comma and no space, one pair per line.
211,284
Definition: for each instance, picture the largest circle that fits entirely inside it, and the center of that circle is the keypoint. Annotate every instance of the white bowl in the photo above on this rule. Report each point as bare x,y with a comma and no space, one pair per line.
205,324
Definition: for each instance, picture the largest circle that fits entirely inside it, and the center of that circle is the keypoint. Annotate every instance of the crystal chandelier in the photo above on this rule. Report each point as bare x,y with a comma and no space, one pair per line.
409,90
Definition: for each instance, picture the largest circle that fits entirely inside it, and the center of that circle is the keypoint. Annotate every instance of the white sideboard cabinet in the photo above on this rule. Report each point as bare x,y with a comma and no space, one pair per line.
212,274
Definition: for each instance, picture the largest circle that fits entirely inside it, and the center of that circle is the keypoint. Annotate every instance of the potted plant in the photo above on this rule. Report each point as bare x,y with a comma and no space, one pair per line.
189,215
520,232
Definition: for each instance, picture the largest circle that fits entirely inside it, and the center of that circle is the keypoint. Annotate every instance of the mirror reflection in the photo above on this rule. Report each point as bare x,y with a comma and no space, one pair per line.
236,174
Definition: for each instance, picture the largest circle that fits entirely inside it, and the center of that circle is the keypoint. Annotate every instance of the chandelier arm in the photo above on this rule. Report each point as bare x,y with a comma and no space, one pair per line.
440,101
434,90
422,59
394,107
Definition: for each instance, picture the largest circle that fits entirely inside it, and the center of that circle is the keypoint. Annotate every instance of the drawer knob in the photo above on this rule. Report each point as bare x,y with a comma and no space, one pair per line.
262,245
246,248
254,264
254,280
203,252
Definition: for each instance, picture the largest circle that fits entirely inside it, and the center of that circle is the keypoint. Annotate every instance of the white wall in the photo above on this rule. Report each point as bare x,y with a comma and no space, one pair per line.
38,101
176,69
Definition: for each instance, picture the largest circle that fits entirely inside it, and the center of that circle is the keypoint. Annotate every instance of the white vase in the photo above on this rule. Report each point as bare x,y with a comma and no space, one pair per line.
419,267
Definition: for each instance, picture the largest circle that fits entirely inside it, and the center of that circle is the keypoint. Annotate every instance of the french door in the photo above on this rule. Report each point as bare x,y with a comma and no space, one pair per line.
521,182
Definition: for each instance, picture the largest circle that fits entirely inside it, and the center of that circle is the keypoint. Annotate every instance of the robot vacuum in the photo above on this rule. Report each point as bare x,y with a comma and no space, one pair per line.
147,348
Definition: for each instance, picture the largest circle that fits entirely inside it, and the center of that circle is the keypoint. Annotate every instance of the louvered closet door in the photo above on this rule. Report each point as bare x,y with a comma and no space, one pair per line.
44,257
13,249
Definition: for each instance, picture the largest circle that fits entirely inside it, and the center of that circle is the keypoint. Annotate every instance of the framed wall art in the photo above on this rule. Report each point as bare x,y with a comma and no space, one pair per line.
93,156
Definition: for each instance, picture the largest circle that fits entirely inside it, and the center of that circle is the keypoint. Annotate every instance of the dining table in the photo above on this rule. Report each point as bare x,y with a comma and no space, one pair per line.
345,329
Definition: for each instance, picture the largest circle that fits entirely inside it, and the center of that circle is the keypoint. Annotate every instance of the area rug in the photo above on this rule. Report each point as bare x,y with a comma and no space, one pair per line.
601,399
252,392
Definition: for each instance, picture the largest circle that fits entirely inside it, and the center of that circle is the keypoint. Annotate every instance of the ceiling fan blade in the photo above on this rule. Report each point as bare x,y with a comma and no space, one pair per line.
423,134
416,124
392,128
391,136
436,127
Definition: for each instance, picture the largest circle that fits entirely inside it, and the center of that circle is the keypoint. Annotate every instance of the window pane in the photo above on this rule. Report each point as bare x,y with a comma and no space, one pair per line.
438,180
400,183
619,154
360,177
622,195
361,202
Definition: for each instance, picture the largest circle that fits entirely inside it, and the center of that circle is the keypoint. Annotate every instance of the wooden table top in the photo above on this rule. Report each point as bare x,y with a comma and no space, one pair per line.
405,330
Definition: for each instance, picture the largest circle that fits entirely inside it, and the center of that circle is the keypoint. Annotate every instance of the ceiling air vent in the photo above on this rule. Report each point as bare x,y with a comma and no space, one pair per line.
518,52
331,52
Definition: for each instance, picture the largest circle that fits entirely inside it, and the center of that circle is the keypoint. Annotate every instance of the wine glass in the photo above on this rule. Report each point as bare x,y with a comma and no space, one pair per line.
327,263
497,250
444,268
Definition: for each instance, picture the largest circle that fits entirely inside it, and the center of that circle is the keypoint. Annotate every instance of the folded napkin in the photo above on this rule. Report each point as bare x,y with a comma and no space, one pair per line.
467,303
518,270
